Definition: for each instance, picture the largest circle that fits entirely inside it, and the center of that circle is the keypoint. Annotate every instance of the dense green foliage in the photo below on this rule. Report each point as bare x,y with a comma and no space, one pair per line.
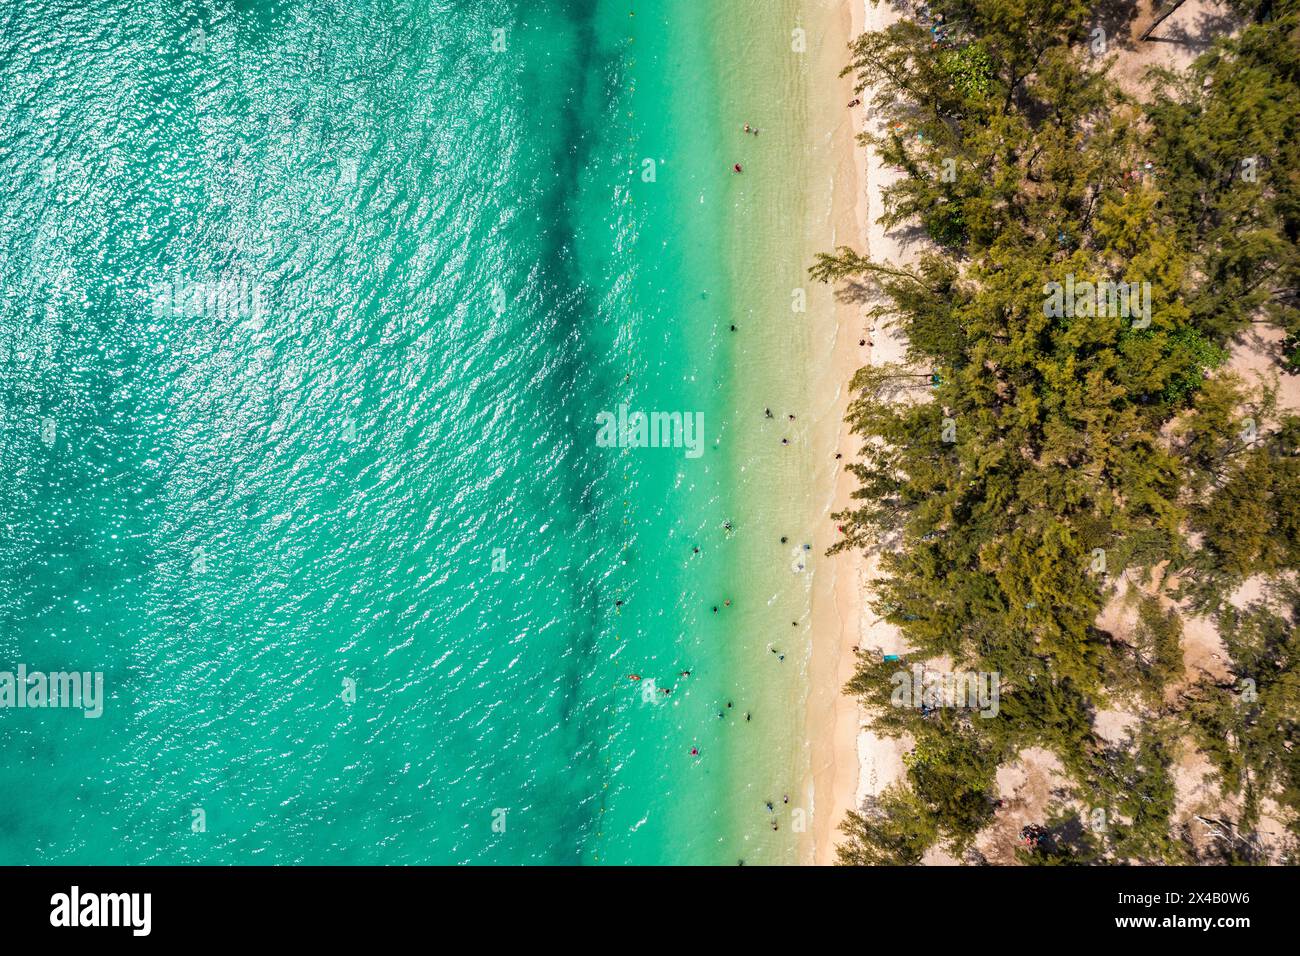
1056,450
1229,136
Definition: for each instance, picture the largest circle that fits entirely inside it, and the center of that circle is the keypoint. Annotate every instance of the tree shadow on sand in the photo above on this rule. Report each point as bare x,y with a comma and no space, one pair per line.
1196,33
1117,18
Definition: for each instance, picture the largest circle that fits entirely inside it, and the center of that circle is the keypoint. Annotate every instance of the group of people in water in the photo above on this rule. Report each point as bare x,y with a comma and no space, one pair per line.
736,167
722,713
771,809
767,413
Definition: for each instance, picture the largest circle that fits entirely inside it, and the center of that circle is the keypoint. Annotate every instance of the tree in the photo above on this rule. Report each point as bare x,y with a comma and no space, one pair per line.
1021,438
894,829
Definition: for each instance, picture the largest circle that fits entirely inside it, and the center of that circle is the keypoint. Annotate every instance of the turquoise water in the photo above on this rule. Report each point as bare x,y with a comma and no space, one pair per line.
309,309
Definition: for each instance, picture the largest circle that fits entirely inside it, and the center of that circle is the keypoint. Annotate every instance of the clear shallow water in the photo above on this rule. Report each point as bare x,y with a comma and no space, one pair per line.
322,301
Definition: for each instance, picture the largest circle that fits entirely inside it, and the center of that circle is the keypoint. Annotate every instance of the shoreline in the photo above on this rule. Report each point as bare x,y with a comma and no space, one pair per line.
849,762
833,718
791,356
809,732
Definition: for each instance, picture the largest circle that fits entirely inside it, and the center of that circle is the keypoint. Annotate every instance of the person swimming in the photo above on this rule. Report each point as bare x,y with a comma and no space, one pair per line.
736,168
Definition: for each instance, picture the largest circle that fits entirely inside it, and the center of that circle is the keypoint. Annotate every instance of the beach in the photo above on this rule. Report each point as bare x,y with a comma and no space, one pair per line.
849,762
797,348
837,604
